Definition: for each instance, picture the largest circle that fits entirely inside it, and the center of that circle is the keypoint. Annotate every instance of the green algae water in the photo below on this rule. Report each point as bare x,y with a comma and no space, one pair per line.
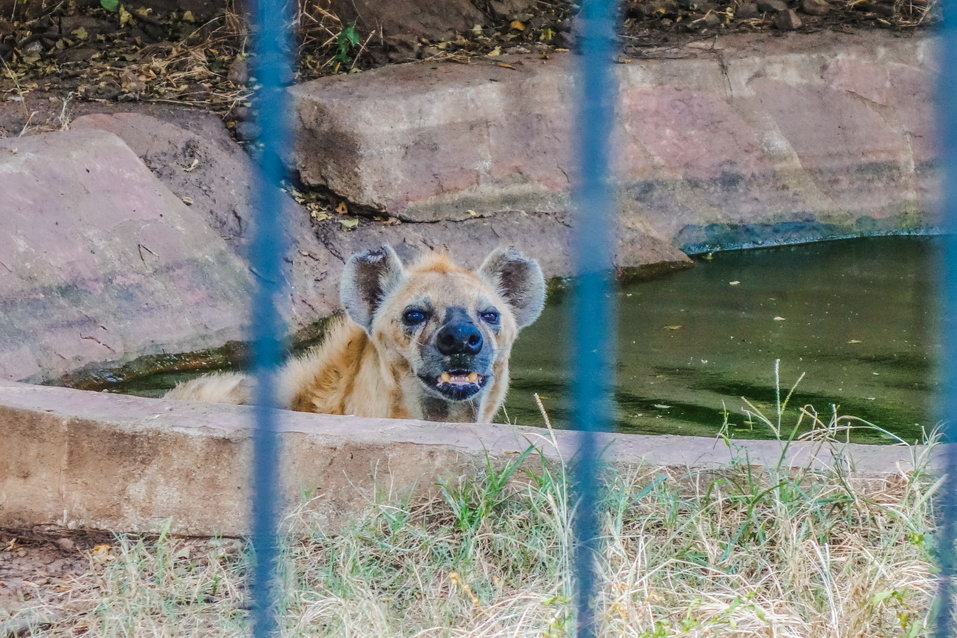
854,316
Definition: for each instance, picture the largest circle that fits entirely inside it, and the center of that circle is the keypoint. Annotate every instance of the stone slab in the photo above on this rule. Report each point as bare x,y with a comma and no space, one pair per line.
830,131
100,262
129,464
201,162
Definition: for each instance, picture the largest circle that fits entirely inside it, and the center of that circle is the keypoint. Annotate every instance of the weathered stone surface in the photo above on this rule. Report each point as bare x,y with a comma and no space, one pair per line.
415,18
128,464
772,6
99,261
787,20
436,144
750,135
815,7
204,165
746,11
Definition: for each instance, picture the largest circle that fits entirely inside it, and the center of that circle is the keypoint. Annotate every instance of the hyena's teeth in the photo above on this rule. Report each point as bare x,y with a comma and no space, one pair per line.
445,377
473,377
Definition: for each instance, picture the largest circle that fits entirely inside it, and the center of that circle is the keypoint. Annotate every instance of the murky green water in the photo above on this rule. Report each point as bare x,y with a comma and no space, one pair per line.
855,316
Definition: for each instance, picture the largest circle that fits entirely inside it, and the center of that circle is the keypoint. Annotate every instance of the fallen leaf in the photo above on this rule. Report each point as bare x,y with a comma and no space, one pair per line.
125,16
855,341
80,33
101,553
662,406
733,283
471,213
675,327
188,16
187,200
779,318
192,165
349,224
494,52
518,25
506,66
342,208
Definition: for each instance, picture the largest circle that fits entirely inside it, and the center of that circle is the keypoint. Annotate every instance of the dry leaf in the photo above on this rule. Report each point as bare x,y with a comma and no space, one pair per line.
779,318
349,224
342,208
733,283
518,25
494,52
855,341
187,200
675,327
80,33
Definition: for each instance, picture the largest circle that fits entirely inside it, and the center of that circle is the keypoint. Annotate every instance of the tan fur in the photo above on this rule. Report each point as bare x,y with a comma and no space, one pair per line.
369,372
224,387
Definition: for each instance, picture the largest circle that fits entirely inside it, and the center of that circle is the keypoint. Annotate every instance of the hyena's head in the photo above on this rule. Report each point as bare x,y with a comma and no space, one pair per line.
448,331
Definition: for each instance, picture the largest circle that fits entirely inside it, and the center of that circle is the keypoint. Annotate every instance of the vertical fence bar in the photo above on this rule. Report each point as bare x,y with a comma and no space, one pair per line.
947,293
271,70
593,307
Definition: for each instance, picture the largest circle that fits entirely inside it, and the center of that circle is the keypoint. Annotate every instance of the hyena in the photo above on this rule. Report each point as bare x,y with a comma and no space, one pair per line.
426,341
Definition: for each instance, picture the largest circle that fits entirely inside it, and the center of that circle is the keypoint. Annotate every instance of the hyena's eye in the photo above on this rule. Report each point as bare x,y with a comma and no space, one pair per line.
414,316
490,317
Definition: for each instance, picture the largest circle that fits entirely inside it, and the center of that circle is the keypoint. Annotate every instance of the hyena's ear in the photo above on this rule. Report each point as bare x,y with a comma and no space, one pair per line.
367,279
519,280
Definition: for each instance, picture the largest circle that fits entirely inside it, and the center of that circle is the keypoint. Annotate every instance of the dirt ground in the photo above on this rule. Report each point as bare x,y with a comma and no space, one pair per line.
54,64
39,565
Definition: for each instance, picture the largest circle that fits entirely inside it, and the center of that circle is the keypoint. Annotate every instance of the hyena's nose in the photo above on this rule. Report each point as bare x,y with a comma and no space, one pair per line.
459,338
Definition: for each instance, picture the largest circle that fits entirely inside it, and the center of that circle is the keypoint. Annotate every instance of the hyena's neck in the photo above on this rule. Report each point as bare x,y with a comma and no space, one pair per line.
435,409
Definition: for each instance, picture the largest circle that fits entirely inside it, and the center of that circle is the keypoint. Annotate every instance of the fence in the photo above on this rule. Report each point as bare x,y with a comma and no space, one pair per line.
593,351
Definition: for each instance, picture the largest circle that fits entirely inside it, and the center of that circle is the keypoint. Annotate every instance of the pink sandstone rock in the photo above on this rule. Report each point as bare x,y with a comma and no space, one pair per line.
99,261
827,129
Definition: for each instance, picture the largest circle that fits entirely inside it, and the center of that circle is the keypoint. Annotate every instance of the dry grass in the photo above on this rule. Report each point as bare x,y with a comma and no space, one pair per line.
735,553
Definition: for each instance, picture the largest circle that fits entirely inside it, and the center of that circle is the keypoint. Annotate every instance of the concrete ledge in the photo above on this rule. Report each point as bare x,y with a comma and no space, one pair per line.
128,464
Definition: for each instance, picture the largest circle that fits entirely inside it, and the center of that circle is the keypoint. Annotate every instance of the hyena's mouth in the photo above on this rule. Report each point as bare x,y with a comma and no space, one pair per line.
459,385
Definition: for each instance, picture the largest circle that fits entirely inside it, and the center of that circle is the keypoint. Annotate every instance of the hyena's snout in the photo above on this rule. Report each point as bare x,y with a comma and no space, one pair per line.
458,359
459,338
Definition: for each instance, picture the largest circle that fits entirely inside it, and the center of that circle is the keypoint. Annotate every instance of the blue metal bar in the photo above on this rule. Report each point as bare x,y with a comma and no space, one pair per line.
593,305
271,70
947,403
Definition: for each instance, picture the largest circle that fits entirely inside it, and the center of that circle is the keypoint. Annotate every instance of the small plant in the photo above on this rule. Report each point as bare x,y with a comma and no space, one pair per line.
346,41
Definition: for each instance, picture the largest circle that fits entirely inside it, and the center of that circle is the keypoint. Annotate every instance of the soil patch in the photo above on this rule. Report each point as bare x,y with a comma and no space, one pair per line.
90,54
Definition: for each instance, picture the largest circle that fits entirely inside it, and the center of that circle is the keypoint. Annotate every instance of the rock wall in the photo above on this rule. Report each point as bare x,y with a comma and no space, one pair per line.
746,140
